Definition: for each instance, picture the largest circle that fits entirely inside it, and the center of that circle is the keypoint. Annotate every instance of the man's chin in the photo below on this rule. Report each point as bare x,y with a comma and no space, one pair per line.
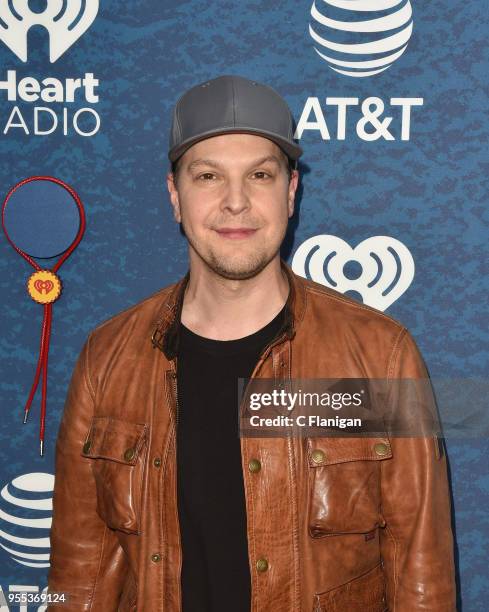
239,270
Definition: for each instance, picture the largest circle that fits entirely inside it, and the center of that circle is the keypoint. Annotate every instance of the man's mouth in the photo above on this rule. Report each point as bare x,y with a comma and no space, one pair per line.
236,232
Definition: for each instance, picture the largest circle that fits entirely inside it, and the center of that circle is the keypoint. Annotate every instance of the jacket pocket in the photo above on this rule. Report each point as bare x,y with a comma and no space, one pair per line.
363,594
344,484
118,450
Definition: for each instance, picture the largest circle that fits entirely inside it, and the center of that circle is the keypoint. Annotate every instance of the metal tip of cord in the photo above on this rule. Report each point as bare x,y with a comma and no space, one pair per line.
41,444
25,417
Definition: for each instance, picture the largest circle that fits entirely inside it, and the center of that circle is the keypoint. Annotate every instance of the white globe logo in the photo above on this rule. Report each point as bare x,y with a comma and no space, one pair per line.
25,518
374,43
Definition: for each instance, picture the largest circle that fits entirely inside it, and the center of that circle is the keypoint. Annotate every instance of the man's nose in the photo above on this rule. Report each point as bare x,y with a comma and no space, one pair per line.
236,196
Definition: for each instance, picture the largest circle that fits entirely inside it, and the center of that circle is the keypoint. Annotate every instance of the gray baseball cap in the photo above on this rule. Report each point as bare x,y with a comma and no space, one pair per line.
230,104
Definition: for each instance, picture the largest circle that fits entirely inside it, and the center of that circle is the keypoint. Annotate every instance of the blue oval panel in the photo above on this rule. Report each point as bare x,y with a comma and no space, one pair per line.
42,218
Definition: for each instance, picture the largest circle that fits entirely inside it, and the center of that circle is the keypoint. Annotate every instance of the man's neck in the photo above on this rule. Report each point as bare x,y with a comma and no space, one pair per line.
223,309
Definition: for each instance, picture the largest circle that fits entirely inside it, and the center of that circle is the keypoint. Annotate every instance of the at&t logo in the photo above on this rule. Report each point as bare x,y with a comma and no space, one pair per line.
360,38
25,518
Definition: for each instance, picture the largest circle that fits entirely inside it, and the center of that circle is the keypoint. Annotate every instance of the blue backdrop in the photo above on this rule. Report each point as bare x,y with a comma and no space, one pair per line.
415,185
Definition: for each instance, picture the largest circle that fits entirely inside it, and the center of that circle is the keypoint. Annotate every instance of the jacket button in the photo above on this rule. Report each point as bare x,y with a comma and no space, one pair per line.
317,455
262,565
157,461
86,446
254,465
129,454
381,449
156,557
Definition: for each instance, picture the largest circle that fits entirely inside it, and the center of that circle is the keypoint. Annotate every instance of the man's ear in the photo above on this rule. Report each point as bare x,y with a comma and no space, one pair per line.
174,200
293,184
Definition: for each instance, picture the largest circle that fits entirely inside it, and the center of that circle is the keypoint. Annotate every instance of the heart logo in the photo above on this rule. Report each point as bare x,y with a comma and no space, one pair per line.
43,285
387,267
65,20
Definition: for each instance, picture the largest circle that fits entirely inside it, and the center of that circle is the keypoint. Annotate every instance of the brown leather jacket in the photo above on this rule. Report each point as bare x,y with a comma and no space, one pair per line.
345,529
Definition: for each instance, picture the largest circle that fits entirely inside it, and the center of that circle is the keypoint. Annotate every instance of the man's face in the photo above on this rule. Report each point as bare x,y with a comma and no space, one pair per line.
233,198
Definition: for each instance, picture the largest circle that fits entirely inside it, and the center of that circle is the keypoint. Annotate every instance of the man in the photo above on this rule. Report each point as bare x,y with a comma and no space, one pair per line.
158,503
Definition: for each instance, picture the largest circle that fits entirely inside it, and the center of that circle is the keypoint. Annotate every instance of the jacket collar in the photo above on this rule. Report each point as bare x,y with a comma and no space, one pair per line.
165,329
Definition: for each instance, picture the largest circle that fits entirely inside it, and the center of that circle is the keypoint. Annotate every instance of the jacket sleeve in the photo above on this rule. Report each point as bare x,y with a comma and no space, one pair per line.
87,564
417,541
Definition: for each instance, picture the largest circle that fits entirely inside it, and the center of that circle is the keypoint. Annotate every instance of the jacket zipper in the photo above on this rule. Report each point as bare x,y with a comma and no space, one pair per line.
174,374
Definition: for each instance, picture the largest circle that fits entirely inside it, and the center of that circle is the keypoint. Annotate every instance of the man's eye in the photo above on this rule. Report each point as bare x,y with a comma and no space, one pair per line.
260,174
206,176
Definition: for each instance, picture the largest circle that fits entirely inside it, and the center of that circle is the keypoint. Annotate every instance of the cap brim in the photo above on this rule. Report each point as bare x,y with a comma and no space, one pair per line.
293,151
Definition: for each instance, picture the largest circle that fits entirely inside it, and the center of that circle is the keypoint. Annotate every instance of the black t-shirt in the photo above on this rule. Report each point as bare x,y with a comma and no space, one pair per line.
211,498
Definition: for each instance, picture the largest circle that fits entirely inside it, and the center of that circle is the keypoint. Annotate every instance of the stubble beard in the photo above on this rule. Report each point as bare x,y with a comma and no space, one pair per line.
237,267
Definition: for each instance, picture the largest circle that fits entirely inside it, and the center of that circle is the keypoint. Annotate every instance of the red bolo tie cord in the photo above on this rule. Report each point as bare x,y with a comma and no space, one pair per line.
40,287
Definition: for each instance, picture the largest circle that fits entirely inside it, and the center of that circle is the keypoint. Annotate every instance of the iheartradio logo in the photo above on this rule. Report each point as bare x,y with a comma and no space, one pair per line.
65,20
384,267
